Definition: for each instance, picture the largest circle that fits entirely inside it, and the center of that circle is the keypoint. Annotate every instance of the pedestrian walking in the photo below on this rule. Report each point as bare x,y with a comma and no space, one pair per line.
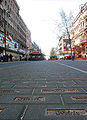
10,56
1,57
20,57
7,57
72,57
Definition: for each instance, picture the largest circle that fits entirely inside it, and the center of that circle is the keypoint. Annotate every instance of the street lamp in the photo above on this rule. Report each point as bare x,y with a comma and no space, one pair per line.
5,11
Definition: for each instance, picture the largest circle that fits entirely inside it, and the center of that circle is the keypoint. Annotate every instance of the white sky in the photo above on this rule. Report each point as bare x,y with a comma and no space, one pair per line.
40,16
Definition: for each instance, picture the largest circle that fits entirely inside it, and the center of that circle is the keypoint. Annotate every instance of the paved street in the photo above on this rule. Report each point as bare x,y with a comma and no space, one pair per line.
43,90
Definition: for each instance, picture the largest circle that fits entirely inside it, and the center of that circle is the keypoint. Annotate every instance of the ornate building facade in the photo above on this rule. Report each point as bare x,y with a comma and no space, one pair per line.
79,33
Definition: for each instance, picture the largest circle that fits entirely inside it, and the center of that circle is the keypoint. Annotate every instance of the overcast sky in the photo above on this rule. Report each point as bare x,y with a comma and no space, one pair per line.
40,16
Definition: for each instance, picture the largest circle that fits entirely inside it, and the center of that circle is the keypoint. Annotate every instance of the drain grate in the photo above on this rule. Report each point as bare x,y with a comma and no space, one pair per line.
80,98
59,111
9,91
29,99
59,90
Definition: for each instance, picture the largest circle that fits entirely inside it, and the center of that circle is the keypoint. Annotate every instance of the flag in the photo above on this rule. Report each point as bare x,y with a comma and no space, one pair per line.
64,43
85,34
3,39
9,38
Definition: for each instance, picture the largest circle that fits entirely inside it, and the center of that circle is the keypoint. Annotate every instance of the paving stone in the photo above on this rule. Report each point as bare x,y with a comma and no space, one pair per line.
11,112
40,90
37,112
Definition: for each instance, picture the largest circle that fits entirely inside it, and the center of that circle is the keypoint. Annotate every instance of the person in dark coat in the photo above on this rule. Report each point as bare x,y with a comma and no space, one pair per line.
10,56
7,57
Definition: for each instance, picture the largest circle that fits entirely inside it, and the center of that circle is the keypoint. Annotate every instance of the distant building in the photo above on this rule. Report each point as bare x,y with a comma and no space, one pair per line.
79,32
64,45
28,39
35,48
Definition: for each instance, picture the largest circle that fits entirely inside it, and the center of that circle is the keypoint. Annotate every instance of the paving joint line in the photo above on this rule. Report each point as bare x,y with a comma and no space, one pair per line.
61,99
72,67
84,90
23,114
33,91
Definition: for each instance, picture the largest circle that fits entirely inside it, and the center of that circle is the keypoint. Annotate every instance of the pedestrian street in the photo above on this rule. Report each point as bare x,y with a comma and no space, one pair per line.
43,90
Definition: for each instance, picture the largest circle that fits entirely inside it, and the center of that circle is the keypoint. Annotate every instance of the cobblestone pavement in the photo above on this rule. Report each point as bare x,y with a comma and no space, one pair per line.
43,90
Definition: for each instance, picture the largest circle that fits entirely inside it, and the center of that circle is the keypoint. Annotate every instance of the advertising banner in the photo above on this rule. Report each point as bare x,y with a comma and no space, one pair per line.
10,44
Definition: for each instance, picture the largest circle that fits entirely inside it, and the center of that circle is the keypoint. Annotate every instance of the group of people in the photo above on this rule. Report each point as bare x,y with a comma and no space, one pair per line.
5,58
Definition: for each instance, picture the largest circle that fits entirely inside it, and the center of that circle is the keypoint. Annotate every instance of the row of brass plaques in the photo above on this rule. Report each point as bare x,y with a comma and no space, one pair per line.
59,90
59,111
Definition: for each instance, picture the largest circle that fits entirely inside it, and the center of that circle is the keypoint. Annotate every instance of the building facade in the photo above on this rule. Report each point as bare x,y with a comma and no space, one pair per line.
79,33
64,46
28,39
13,28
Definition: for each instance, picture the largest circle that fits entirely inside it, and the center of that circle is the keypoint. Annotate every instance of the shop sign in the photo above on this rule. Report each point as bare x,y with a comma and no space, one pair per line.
10,43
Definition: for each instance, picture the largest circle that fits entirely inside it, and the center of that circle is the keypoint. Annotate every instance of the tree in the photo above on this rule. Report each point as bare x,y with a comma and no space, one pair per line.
66,25
53,52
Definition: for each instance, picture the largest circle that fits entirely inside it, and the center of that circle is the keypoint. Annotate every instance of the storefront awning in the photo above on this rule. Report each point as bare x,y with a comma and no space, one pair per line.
35,53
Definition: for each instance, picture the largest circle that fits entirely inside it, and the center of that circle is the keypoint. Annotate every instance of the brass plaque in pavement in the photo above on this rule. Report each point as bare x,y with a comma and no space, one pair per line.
35,85
9,91
83,80
61,111
29,99
79,98
59,90
74,85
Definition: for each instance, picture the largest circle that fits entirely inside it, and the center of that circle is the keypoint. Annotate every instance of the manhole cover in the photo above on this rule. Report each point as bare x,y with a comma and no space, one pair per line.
59,90
29,99
80,98
59,111
9,91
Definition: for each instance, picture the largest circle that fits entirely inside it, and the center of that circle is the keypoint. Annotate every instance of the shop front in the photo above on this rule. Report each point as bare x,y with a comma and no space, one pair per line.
12,47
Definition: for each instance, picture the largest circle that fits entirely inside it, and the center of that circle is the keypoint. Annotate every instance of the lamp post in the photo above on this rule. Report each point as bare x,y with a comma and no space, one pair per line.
5,11
5,31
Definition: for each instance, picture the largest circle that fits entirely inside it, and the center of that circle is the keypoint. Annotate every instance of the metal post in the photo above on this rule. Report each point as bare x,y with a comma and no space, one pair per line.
5,31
